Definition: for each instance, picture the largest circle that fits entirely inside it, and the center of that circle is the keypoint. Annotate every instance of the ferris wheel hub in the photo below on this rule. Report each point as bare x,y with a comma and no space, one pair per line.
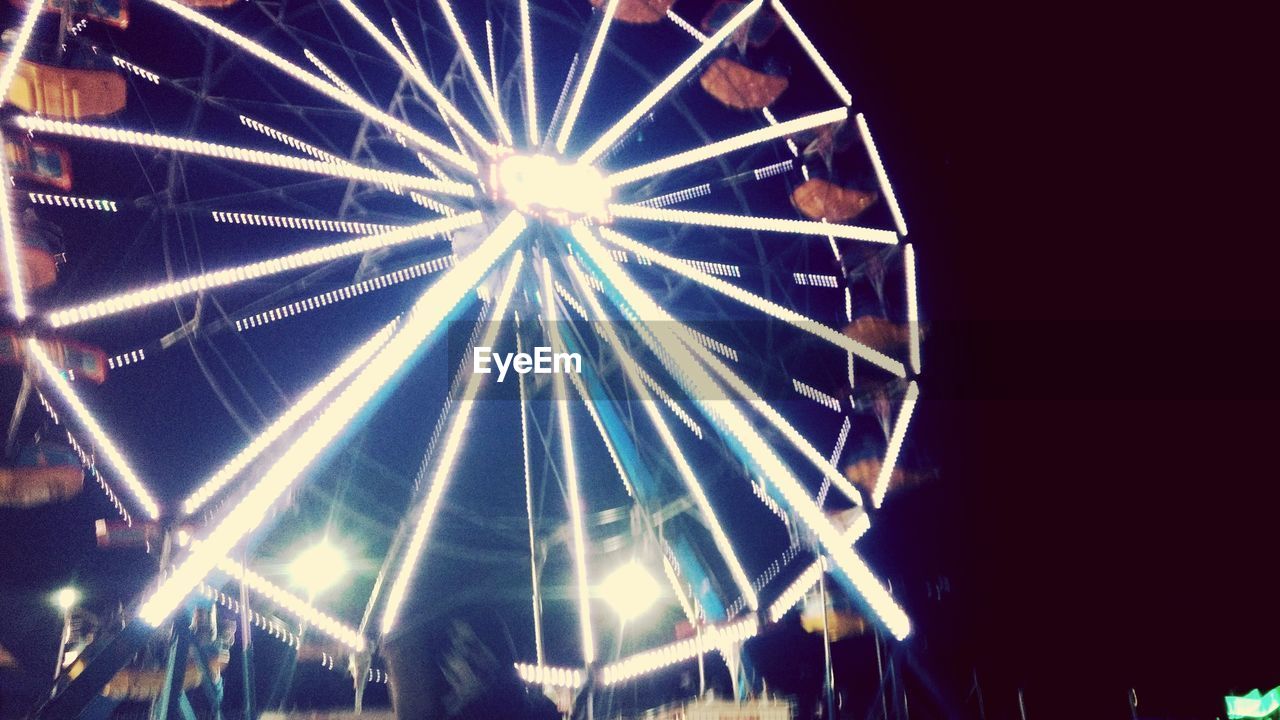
547,187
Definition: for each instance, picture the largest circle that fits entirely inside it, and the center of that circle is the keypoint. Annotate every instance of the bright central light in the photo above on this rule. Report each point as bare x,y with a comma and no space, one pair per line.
66,598
318,567
631,590
541,185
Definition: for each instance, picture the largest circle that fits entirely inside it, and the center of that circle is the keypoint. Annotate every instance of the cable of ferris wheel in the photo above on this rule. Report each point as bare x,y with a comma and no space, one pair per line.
648,524
750,299
454,439
123,302
722,147
588,72
422,324
615,133
12,261
753,222
477,75
688,476
755,450
419,77
317,84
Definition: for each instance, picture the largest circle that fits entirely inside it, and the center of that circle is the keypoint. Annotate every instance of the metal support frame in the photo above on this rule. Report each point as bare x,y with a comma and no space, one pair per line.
167,705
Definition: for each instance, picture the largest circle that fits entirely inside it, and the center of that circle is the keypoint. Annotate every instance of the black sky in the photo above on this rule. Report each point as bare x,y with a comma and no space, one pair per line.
1099,312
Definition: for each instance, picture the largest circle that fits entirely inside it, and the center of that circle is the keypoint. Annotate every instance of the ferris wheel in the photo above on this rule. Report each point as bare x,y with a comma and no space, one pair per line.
634,267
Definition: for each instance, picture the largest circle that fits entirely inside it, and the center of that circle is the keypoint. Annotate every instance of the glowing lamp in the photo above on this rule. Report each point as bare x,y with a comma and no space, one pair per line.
541,185
66,598
318,567
630,590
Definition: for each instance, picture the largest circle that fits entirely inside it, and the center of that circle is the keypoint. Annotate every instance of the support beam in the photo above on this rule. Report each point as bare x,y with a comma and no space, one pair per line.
739,432
454,440
422,324
615,133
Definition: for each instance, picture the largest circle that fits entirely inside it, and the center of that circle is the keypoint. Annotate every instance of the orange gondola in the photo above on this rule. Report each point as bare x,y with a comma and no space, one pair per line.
639,12
146,683
737,86
110,12
37,269
864,473
841,623
819,199
44,473
879,333
38,161
37,254
66,93
77,359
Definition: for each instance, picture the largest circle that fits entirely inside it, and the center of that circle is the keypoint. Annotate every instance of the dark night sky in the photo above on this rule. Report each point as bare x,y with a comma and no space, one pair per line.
1096,318
1097,397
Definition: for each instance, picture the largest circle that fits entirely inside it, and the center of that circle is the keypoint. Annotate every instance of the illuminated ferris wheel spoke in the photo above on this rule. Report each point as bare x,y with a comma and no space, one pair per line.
328,72
421,324
757,403
411,67
530,81
570,472
733,423
706,188
299,608
825,466
813,53
134,299
551,675
723,147
250,317
404,43
588,72
656,95
101,440
245,155
493,63
328,89
477,75
796,591
687,475
778,312
454,440
311,400
425,467
791,143
913,306
347,292
885,186
86,460
632,491
895,443
153,78
714,638
535,594
685,25
751,222
625,357
12,261
73,201
292,141
293,222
